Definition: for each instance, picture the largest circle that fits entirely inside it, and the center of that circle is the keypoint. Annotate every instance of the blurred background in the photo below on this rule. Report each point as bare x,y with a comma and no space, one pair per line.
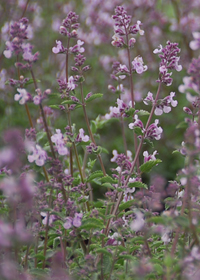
161,20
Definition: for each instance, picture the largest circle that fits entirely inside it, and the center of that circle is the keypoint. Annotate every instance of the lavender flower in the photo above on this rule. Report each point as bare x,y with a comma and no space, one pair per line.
138,65
138,223
195,44
58,139
82,137
23,96
148,157
169,61
38,155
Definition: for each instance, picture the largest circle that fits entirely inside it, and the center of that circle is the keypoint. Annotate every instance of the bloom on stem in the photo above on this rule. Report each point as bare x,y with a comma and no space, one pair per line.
148,157
195,44
138,65
38,155
22,97
59,48
82,137
58,139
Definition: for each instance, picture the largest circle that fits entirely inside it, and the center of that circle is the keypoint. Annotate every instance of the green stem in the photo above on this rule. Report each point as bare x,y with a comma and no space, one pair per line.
89,129
134,161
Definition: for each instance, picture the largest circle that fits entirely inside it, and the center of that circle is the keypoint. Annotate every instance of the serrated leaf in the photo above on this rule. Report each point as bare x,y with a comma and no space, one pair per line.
91,163
78,106
94,96
137,185
69,102
40,135
93,127
38,271
109,179
182,125
103,251
138,130
92,223
94,175
126,205
54,106
127,257
108,185
147,166
143,113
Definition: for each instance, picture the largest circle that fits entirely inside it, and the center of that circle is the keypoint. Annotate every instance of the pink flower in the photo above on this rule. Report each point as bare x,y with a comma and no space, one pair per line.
77,219
138,223
38,155
22,97
138,65
59,48
58,139
82,137
195,44
148,157
71,85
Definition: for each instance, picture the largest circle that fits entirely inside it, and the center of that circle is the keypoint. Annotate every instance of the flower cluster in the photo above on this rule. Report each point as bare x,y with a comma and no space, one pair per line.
38,154
58,139
152,132
169,61
162,105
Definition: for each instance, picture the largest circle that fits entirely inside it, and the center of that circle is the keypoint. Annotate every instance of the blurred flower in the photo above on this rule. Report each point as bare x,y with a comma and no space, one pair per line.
82,137
23,96
38,155
195,44
138,65
138,223
58,139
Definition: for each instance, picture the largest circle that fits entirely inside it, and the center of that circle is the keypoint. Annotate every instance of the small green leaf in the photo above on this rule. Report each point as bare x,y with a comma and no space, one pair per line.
103,251
147,166
40,135
137,185
109,179
94,175
69,102
94,96
138,130
108,185
126,205
54,106
182,125
143,113
93,127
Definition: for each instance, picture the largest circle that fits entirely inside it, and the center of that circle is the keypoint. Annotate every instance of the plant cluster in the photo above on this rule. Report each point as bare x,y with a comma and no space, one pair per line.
52,225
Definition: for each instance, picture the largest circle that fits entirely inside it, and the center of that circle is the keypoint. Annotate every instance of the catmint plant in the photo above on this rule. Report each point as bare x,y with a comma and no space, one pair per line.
72,208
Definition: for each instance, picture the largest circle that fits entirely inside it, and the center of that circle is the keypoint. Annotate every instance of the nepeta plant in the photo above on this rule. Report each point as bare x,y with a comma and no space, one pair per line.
52,225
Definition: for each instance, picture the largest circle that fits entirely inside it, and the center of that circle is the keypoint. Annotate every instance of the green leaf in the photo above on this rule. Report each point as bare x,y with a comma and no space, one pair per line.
127,257
182,125
93,127
137,185
54,106
143,113
69,102
94,175
147,166
103,251
108,185
138,130
182,221
40,135
38,272
94,96
91,163
126,205
92,223
109,179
